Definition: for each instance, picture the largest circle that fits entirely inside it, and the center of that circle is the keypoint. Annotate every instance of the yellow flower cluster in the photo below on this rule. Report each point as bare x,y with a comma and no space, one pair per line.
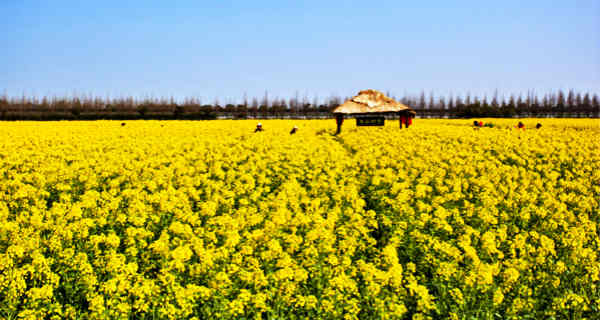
208,220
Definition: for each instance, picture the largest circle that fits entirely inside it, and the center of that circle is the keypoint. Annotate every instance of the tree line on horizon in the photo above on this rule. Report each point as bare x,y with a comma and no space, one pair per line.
556,104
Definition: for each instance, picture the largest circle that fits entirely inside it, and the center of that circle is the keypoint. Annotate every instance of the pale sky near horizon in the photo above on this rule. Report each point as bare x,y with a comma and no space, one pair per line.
225,49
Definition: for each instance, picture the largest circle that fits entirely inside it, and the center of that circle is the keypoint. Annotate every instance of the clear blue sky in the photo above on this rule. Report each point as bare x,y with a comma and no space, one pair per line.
223,49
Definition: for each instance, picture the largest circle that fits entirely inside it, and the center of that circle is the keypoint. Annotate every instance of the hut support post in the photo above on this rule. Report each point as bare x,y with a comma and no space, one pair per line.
339,119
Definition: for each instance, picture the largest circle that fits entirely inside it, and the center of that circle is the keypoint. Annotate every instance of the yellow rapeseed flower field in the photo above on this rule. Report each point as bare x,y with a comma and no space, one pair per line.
208,220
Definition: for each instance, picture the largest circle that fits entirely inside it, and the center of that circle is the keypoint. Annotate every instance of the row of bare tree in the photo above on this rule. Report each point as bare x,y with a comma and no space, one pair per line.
557,104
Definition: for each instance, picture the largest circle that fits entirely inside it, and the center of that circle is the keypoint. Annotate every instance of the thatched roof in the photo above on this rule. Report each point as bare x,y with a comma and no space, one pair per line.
371,101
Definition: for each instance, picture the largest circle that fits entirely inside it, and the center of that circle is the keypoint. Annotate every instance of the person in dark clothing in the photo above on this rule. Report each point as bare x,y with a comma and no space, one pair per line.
339,119
259,127
521,125
539,125
294,130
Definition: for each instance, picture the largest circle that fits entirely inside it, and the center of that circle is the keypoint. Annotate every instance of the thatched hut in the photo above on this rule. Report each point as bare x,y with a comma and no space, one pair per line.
370,107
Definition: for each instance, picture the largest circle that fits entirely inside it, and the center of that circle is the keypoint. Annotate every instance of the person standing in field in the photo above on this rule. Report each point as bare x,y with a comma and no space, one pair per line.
406,120
294,130
339,120
539,125
259,127
521,125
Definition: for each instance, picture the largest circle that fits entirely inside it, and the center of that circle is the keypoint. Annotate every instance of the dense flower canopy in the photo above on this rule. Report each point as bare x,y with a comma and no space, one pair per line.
210,220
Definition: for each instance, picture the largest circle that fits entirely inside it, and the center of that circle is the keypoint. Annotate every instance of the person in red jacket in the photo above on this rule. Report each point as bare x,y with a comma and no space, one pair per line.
405,119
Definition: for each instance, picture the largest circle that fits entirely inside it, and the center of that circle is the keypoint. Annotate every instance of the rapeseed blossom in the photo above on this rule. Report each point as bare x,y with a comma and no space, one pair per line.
197,220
